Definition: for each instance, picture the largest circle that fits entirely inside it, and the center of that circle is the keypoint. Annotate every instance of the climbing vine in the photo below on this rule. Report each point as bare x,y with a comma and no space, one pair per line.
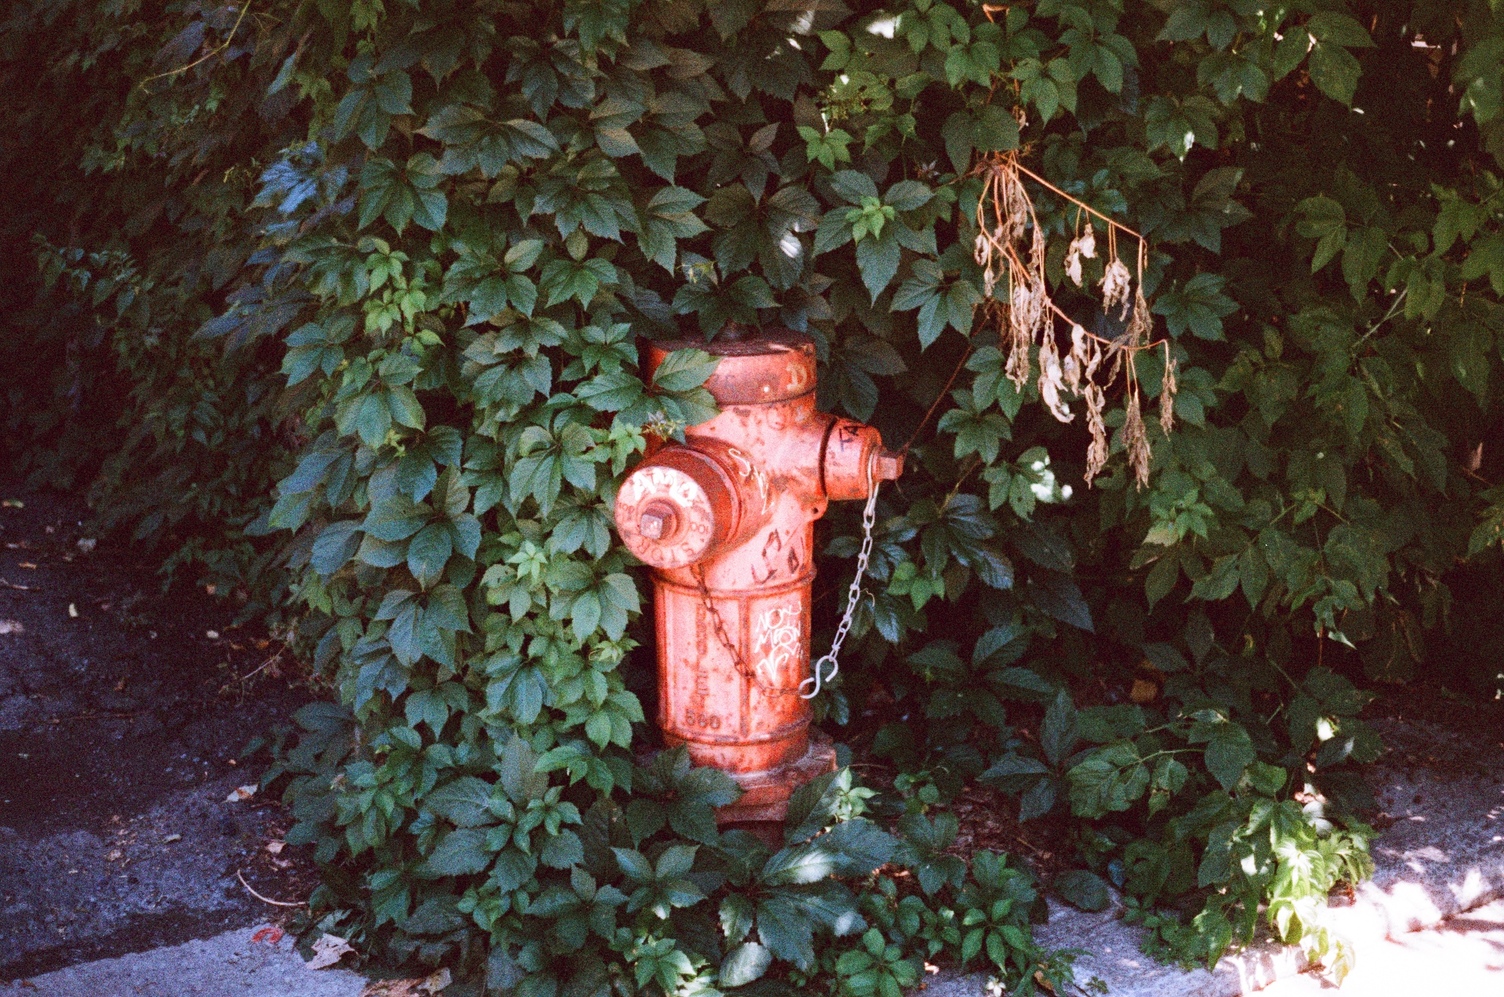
338,305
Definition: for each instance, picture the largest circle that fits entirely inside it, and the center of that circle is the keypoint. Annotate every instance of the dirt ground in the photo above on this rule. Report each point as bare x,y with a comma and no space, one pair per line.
123,717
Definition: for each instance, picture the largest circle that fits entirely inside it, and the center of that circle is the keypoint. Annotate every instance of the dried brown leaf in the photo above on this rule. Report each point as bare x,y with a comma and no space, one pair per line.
1136,440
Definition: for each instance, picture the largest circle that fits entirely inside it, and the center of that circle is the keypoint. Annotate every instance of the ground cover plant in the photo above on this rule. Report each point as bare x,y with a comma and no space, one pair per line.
1186,313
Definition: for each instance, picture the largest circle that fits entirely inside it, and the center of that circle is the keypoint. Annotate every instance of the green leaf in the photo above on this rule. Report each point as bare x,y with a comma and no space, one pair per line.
786,928
736,917
1058,732
1335,28
852,186
335,545
428,552
994,129
1082,889
1325,221
1198,306
1361,259
745,963
959,142
459,852
406,411
1486,256
562,850
877,260
906,195
464,802
1335,71
685,370
598,729
1109,779
1228,754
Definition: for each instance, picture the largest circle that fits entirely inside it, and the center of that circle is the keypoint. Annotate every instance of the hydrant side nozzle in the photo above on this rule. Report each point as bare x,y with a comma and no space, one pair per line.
854,459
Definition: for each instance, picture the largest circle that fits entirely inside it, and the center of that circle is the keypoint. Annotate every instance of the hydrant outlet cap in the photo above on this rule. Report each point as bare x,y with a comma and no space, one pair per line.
676,508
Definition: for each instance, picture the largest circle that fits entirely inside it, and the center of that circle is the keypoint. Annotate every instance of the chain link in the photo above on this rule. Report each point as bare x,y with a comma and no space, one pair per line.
818,677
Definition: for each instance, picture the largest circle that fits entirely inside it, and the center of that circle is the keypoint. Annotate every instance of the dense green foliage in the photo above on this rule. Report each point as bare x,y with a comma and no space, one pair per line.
338,304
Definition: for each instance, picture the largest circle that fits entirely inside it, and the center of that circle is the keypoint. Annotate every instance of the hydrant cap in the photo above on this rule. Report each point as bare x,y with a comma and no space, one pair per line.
676,508
759,367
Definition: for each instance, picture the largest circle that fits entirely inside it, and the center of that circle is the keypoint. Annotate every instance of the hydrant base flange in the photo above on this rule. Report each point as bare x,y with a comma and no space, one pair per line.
765,795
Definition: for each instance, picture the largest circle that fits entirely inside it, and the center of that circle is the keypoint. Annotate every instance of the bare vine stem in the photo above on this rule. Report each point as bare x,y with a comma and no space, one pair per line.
1075,200
938,399
244,9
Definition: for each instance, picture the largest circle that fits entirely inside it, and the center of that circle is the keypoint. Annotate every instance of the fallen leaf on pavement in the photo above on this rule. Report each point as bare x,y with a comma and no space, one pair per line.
275,847
241,793
87,544
270,934
13,504
430,986
327,951
11,627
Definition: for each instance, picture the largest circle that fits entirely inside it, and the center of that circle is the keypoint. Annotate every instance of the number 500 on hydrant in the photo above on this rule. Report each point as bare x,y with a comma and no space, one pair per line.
726,520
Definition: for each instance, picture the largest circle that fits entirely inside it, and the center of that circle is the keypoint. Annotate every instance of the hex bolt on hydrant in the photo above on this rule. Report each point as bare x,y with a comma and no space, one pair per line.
726,520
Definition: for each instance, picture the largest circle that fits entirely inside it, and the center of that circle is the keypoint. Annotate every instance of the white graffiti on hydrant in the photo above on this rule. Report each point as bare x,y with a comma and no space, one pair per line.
778,630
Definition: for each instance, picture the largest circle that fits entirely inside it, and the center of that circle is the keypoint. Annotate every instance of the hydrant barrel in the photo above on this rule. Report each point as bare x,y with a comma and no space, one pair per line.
726,520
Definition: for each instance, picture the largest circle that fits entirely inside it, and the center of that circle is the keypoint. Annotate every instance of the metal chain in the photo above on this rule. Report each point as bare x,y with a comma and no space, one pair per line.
853,594
747,671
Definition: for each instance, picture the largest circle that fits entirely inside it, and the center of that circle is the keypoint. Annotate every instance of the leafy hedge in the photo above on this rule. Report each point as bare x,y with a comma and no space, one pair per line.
374,273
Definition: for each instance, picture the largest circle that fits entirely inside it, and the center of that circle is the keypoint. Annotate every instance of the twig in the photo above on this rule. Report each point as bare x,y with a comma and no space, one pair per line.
938,399
266,900
19,588
1114,343
207,55
1399,299
98,715
263,664
1080,203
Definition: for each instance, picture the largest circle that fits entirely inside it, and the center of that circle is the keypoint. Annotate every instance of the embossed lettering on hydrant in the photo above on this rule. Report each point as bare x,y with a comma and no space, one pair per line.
698,714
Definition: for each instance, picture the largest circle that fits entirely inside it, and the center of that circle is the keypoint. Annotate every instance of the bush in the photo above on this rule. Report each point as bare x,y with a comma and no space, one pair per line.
448,224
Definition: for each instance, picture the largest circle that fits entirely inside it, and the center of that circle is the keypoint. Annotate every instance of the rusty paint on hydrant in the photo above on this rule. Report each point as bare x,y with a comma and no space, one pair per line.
726,520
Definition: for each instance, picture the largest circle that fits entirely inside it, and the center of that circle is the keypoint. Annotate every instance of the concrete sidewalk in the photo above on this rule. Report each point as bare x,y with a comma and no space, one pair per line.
1442,858
1463,955
233,964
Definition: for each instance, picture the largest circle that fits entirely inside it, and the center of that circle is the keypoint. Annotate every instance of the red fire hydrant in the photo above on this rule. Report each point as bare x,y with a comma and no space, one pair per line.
727,522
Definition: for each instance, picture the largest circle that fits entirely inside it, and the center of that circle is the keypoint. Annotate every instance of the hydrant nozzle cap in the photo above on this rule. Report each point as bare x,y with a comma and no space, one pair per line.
675,508
888,465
